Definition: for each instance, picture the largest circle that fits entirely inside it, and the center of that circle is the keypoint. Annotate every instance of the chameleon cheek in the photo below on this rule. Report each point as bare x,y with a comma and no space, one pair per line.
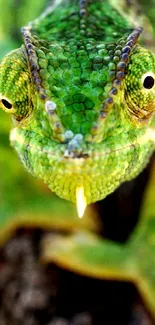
140,106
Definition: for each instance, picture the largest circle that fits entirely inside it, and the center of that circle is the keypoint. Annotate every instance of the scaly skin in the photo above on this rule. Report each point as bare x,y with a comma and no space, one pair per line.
75,90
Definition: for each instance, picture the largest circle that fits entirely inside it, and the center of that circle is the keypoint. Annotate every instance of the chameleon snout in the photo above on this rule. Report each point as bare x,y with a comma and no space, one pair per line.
75,146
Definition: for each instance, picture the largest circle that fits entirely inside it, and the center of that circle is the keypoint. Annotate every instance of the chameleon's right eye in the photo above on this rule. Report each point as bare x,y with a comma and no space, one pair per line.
6,104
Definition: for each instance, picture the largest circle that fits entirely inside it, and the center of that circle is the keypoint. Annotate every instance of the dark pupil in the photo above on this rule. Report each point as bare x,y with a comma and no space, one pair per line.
6,104
148,82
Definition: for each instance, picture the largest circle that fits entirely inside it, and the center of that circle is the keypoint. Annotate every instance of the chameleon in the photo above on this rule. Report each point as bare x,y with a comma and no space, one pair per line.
81,94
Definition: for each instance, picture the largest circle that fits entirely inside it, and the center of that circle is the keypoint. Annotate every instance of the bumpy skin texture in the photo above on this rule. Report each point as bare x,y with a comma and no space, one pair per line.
81,102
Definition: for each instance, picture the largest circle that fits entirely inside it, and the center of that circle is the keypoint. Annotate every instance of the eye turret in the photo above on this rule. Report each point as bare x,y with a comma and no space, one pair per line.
139,85
15,84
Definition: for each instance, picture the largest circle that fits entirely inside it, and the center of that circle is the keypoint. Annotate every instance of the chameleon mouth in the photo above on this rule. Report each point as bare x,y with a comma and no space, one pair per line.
71,154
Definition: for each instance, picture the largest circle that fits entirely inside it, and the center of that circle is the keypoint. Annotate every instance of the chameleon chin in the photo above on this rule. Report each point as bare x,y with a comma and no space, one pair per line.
82,99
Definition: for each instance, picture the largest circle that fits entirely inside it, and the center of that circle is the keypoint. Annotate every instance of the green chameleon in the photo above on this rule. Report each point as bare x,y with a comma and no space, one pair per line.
81,92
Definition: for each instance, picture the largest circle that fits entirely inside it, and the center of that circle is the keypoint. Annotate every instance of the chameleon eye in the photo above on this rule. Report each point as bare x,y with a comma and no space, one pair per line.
6,104
148,82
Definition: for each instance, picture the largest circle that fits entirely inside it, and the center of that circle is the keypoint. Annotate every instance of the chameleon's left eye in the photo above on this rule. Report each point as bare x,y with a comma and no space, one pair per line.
148,82
139,86
6,104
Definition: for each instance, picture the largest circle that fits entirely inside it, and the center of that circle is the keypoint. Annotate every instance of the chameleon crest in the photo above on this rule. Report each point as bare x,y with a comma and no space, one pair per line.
82,96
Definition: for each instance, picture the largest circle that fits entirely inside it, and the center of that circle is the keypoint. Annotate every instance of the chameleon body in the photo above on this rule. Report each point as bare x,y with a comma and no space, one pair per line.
81,93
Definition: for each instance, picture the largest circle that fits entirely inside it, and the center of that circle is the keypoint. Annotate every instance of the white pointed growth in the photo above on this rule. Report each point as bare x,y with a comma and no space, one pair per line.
81,201
50,106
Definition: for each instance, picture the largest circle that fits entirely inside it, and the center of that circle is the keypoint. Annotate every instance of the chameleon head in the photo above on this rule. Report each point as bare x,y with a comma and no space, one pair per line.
61,133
